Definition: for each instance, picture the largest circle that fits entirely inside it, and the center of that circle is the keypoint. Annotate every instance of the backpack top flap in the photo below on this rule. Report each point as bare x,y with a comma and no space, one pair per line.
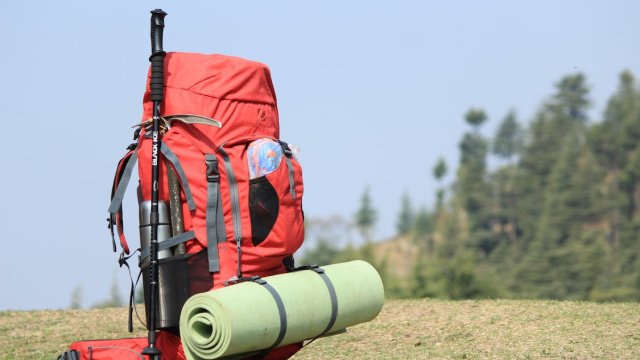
237,92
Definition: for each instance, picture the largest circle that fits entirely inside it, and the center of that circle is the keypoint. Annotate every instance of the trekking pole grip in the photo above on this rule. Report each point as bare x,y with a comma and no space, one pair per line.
157,54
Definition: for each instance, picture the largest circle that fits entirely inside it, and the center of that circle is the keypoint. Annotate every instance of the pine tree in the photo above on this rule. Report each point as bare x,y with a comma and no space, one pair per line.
613,142
76,298
508,140
506,145
366,216
473,191
439,171
562,116
406,216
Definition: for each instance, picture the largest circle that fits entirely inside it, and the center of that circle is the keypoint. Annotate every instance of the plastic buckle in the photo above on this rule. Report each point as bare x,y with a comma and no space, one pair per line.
307,267
213,174
110,225
285,149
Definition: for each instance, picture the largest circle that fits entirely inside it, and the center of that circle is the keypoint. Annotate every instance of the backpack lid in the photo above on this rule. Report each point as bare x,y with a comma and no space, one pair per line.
237,92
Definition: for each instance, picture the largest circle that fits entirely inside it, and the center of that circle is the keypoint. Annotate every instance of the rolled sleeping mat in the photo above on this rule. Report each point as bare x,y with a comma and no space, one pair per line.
251,317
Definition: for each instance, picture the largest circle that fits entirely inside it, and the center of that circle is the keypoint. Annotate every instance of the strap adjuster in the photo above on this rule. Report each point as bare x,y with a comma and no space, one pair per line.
213,174
234,280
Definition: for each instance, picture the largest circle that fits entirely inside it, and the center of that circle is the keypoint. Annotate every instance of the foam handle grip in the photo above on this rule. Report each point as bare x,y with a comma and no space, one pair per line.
157,78
157,27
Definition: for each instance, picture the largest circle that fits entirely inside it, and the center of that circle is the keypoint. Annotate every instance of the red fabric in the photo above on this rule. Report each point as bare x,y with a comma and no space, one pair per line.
129,348
237,92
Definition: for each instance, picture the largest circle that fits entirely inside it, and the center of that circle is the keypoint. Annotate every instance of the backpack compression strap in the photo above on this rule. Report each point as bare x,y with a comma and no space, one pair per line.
287,158
121,181
216,231
235,206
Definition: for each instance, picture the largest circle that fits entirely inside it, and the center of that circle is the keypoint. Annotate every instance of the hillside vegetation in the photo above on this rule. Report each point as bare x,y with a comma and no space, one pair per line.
405,329
556,217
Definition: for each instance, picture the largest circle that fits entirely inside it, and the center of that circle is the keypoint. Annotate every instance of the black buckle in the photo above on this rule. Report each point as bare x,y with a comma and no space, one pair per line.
285,148
111,220
308,267
213,174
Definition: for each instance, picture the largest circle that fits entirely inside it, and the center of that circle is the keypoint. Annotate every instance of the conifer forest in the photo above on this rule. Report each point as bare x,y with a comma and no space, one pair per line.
557,218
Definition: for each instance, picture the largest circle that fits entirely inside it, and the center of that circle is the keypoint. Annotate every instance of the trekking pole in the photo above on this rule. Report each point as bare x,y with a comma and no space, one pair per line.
156,86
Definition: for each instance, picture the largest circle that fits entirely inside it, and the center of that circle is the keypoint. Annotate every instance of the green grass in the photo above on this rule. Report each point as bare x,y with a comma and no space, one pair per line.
406,329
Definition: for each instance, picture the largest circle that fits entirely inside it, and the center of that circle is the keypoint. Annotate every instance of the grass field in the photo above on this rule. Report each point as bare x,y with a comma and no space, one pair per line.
405,329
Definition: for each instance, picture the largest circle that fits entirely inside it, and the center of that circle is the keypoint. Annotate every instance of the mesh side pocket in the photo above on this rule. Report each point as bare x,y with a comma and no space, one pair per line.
264,206
179,277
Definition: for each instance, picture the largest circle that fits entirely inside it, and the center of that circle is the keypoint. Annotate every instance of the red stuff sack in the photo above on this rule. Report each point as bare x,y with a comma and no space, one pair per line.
131,349
124,349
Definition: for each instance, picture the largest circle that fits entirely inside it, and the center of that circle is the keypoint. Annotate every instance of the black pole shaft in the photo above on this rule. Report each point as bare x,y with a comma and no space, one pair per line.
156,86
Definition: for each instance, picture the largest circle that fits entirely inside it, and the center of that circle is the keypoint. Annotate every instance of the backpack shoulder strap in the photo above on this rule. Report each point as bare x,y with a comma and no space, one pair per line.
120,182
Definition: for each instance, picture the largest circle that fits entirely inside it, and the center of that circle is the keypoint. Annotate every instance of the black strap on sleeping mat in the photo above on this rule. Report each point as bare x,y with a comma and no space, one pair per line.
281,311
332,295
334,300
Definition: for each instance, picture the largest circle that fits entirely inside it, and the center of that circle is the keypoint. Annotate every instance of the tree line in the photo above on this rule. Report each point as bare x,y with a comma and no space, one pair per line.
558,218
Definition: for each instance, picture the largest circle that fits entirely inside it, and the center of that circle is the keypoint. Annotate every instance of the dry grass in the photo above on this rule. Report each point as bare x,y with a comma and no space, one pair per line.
406,329
46,334
489,329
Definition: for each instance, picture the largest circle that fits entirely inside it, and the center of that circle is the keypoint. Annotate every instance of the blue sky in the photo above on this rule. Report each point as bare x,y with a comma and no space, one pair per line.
372,92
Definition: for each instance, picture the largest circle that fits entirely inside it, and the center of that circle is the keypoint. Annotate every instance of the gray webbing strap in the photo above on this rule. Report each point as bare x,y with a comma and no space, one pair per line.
235,206
334,300
173,159
287,158
332,296
283,317
168,243
216,232
116,202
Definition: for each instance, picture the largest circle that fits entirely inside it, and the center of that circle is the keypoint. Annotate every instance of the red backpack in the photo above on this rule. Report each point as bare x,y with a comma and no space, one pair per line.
235,210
